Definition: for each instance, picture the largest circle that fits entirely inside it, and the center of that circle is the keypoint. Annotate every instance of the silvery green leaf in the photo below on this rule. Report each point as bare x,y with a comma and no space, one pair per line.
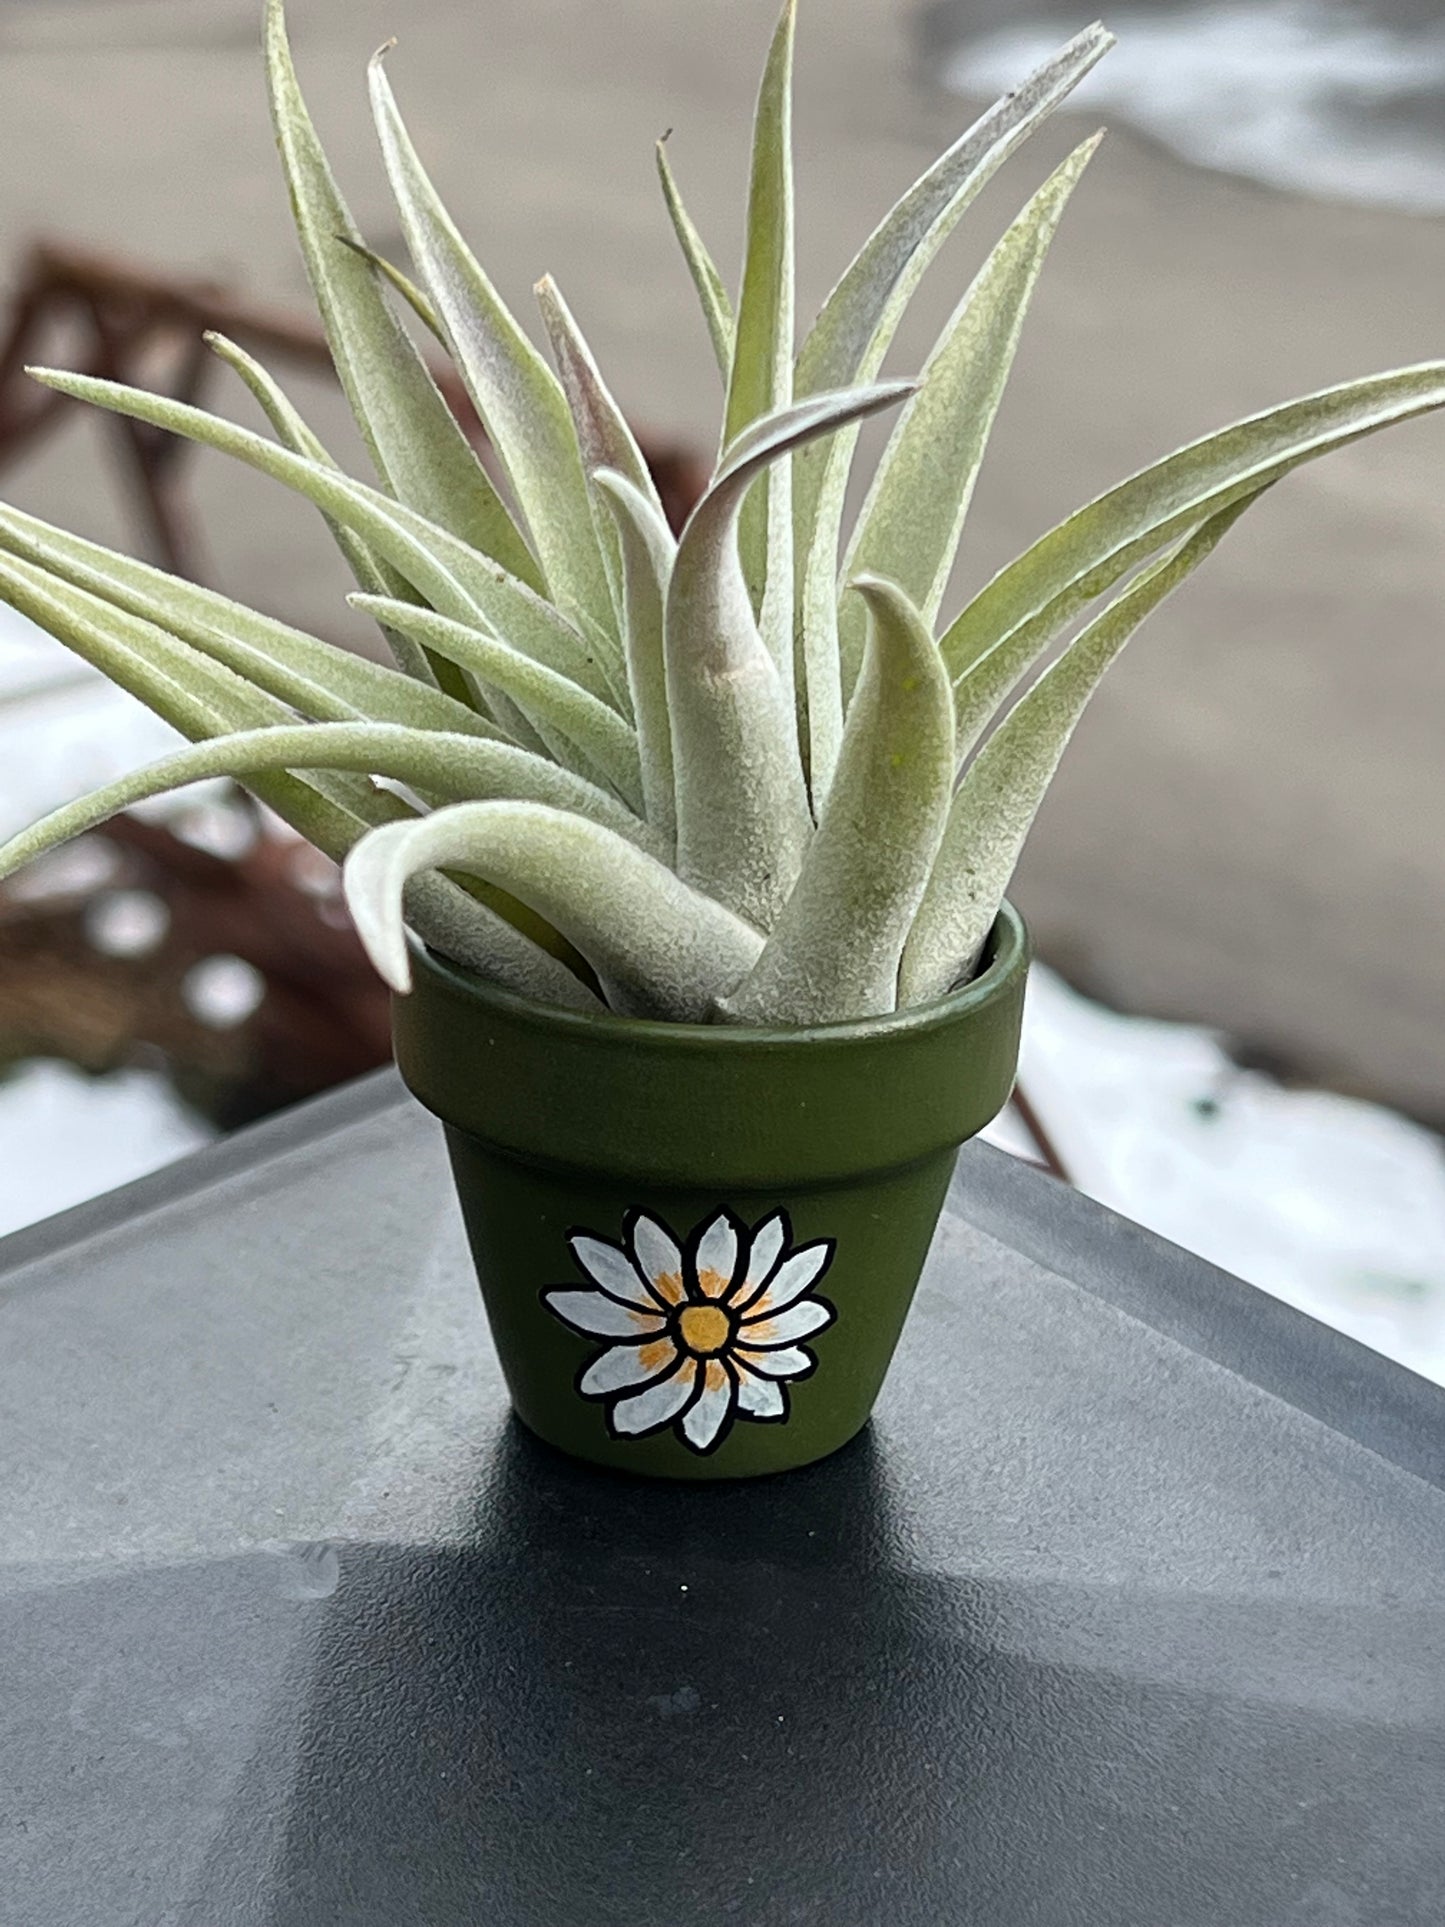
517,396
371,573
761,377
658,948
454,923
851,337
995,804
743,821
452,576
454,768
602,432
316,679
834,952
717,307
199,698
410,293
648,549
909,527
845,340
419,449
552,703
203,700
1010,623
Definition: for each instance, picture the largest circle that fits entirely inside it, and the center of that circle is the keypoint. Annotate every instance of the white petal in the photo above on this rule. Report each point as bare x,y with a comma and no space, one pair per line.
624,1365
811,1315
612,1269
794,1276
785,1364
649,1410
768,1241
717,1256
760,1397
704,1420
658,1258
598,1315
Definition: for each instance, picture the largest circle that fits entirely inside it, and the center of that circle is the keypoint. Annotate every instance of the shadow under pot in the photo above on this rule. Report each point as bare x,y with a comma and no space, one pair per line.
697,1244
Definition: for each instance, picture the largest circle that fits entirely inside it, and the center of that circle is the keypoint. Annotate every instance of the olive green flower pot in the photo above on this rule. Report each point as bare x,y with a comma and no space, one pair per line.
698,1244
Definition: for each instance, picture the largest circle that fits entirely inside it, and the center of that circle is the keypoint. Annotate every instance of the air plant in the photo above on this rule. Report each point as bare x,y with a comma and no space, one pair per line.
723,777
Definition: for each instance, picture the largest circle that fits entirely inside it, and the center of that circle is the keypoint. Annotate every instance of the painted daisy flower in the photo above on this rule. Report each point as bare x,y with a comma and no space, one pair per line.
705,1332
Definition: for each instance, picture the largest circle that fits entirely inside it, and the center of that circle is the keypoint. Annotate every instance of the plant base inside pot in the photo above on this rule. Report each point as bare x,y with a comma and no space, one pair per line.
697,1244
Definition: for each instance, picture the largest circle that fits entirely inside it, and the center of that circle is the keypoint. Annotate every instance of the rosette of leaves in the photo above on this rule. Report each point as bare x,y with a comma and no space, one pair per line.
740,775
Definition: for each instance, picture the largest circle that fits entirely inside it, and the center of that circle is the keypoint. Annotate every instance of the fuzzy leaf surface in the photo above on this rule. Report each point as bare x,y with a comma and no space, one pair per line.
1003,788
1011,622
909,528
602,432
455,768
853,334
517,396
395,278
648,550
551,702
743,820
717,307
199,698
370,572
658,948
315,678
761,378
834,952
419,448
454,578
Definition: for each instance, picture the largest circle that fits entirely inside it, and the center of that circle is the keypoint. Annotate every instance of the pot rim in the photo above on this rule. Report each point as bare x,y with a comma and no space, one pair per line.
1008,947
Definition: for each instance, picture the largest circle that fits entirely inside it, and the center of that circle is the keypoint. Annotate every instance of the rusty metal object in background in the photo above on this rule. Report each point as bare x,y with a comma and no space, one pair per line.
108,317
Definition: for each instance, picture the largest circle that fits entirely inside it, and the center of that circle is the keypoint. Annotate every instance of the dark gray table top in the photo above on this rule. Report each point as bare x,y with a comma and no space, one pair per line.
1126,1612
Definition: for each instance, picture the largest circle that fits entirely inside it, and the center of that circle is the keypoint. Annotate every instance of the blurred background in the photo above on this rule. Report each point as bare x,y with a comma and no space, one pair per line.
1248,834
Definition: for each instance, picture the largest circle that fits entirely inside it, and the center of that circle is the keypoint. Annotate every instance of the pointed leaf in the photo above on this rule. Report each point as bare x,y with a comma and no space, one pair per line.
742,808
452,576
844,340
999,797
850,339
420,450
648,550
761,377
371,573
454,768
834,952
602,432
717,307
516,394
410,293
658,948
315,678
196,697
204,700
551,702
1009,625
909,527
451,921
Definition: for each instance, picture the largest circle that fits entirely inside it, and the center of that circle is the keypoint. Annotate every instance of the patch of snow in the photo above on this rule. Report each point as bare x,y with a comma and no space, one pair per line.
66,1137
222,992
126,923
1312,95
1334,1205
64,730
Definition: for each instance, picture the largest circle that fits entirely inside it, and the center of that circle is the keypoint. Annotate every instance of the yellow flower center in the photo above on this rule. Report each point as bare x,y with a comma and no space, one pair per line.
704,1329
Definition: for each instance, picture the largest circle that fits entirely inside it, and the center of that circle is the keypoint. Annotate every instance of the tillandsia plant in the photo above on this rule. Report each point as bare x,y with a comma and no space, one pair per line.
733,776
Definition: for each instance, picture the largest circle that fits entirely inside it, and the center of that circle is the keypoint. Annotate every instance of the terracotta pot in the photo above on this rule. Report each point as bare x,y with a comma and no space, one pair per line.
697,1244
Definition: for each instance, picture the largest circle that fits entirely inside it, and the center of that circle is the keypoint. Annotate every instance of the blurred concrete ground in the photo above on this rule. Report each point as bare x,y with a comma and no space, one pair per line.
1250,827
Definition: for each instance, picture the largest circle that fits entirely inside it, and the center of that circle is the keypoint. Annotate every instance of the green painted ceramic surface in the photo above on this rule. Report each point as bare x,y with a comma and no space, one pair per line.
697,1245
